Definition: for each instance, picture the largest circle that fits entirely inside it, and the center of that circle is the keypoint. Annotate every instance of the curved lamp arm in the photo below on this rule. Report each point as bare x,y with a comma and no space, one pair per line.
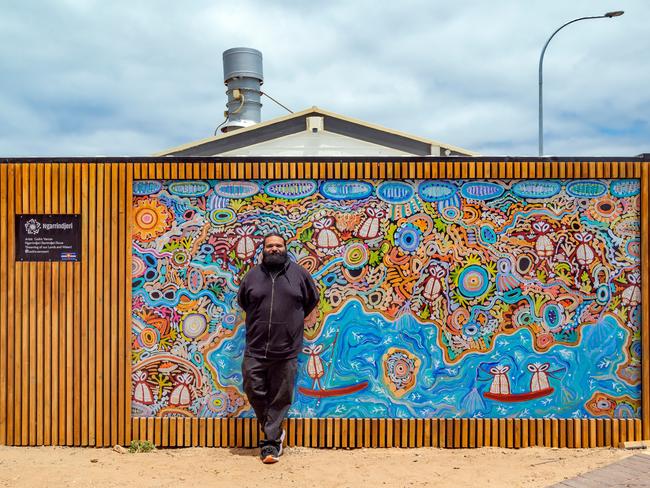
608,15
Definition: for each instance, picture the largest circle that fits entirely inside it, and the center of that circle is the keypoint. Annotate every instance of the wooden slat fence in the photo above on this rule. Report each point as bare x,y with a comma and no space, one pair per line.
65,327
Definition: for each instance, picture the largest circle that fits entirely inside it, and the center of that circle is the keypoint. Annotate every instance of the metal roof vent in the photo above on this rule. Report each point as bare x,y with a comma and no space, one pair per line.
242,74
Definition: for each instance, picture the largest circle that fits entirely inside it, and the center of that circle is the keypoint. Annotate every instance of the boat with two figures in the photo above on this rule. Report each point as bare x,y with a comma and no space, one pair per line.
539,384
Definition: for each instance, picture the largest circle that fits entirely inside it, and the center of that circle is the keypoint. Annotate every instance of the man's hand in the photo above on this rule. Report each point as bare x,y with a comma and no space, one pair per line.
310,320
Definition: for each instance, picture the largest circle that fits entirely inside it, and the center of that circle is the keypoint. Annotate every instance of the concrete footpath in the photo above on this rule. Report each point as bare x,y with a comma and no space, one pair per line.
631,472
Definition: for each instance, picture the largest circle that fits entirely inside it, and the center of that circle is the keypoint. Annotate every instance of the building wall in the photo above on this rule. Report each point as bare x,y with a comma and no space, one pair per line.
65,328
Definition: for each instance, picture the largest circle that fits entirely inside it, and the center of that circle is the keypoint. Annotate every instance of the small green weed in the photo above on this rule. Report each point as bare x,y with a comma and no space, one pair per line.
141,446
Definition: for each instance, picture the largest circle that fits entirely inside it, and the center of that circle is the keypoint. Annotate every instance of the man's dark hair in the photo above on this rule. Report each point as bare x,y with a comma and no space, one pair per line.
275,234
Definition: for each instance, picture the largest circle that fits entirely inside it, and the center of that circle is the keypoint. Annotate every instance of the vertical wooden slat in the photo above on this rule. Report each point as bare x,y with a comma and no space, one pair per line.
397,433
122,251
363,433
164,436
622,431
442,433
38,318
99,306
411,433
300,431
615,432
555,433
307,432
108,299
84,324
631,429
195,433
71,383
91,258
76,338
329,426
11,306
390,441
337,432
4,315
532,432
231,440
600,433
525,439
592,433
645,302
46,314
114,284
172,431
419,433
584,427
127,301
577,433
540,432
516,431
219,433
53,363
30,364
435,434
503,440
209,430
63,383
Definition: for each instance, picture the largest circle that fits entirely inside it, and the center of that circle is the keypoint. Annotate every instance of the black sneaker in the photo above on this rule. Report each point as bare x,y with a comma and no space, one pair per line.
269,455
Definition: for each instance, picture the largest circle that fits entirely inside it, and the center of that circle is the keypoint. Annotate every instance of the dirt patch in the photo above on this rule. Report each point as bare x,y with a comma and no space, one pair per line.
299,467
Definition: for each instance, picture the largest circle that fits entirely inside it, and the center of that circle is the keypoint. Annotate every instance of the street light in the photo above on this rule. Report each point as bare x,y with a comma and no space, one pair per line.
608,15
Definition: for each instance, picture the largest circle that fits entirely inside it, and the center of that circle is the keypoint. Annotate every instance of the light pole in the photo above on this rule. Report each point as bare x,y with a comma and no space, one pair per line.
608,15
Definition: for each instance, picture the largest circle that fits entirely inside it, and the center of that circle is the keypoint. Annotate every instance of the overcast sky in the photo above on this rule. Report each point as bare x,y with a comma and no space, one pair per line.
86,78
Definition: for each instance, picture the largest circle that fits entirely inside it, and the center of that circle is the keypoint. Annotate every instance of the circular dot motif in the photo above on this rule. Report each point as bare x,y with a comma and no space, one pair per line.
355,256
553,315
473,281
407,237
470,329
149,337
229,320
194,324
222,216
137,267
603,294
151,219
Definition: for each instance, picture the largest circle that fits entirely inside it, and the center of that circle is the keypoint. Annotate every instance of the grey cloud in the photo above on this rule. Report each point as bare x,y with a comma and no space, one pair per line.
116,78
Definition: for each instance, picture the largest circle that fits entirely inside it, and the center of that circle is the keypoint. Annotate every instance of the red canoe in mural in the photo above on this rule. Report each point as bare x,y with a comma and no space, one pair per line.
518,397
332,392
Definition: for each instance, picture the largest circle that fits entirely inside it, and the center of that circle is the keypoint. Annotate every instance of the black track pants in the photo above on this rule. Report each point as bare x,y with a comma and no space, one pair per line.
269,384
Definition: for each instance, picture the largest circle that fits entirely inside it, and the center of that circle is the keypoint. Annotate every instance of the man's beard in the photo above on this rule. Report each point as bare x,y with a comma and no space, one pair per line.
274,260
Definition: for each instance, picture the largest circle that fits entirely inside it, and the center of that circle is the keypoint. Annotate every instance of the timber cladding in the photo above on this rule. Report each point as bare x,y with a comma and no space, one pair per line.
65,327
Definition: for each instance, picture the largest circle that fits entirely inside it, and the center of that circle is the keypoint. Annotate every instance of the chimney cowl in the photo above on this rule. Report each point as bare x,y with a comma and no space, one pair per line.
243,77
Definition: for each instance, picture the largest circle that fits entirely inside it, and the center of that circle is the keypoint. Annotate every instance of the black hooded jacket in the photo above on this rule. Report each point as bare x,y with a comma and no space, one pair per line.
276,304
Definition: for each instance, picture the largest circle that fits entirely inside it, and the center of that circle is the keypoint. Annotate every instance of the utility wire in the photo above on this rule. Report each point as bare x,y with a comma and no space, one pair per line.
217,129
269,96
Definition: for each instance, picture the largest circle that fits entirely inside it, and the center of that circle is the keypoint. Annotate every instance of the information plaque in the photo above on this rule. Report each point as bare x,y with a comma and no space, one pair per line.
44,237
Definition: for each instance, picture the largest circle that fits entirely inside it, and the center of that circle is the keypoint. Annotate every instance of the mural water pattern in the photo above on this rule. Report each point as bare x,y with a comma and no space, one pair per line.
491,298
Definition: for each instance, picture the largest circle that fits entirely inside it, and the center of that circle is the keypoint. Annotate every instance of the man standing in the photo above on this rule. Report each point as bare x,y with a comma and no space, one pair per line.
276,295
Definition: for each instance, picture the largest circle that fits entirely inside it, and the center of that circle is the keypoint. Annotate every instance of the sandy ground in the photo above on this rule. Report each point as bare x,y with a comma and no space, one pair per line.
299,467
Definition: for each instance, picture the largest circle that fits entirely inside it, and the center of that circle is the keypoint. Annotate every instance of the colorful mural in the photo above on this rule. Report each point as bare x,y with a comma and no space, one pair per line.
490,298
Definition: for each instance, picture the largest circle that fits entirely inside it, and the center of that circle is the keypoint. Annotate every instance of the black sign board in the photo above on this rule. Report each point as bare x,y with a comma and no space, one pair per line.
48,237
